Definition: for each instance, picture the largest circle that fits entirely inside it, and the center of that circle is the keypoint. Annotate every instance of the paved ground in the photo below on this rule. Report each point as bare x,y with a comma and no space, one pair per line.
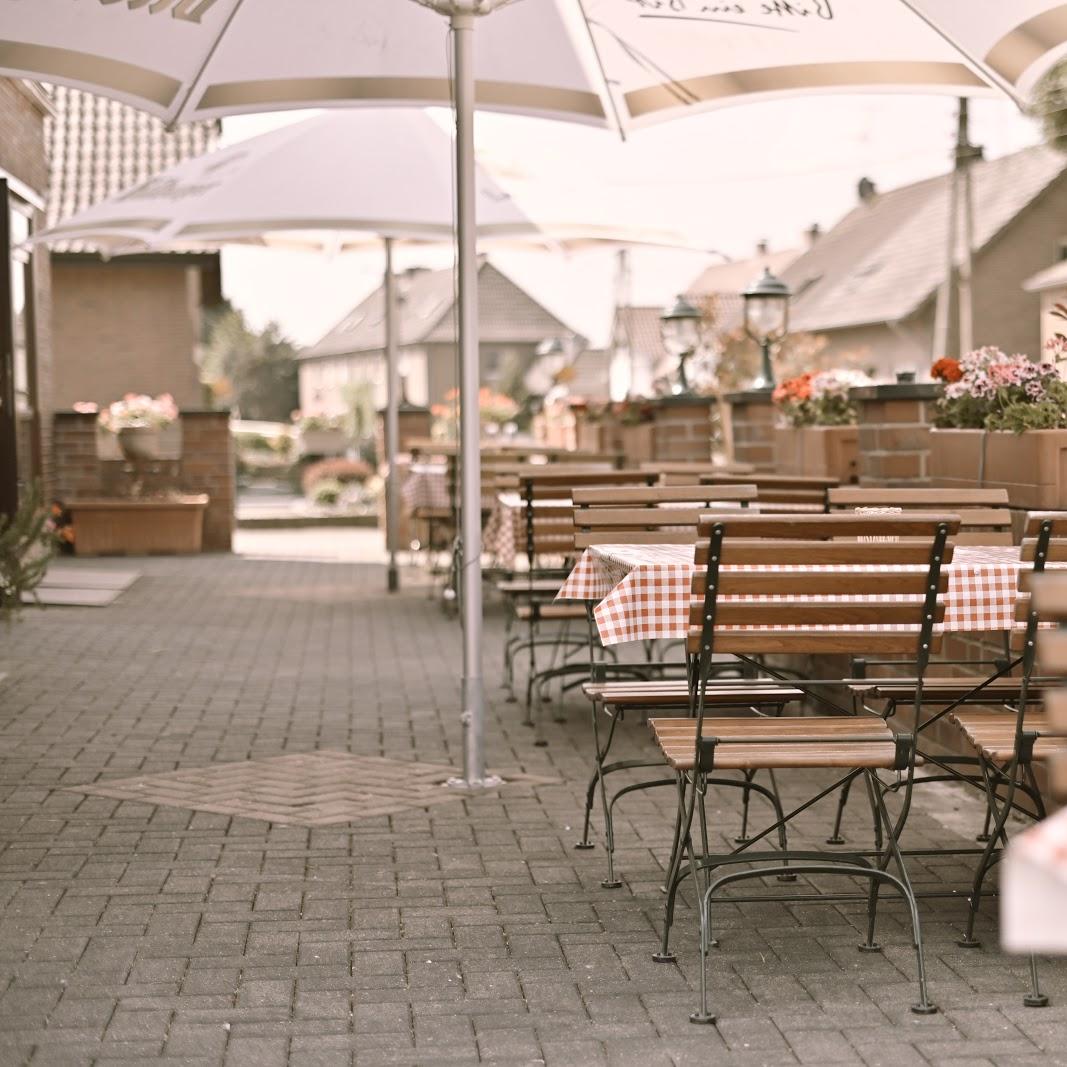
465,932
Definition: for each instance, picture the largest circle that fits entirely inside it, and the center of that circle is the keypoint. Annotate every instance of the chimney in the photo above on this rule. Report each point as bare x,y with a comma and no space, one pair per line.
762,247
866,190
813,233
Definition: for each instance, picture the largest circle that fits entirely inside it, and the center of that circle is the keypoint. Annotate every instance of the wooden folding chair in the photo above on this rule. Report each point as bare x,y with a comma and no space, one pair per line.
547,514
783,493
985,518
823,591
1008,742
657,515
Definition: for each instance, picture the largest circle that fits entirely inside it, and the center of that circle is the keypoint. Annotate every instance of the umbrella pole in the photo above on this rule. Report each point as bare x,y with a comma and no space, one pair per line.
392,419
473,694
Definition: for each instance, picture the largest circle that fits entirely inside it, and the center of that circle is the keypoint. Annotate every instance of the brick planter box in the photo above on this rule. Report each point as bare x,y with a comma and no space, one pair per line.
118,527
1032,466
637,443
818,451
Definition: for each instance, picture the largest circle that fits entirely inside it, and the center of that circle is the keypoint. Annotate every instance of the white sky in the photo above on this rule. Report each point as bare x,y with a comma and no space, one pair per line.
725,179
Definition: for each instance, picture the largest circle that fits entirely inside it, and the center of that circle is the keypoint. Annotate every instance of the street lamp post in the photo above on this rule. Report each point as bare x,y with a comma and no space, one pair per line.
680,330
766,320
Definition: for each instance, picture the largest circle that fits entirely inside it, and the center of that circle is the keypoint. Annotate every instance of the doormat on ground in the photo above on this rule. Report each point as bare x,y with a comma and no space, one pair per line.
308,789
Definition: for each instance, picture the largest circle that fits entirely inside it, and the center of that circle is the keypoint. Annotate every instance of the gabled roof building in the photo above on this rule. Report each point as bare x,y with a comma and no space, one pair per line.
870,284
511,325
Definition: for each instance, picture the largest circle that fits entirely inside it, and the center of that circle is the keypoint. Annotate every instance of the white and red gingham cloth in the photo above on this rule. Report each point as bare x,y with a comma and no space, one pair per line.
644,590
504,536
426,486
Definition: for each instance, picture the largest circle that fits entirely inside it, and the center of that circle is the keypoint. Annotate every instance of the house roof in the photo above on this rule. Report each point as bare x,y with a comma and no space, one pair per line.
506,315
886,257
98,147
1054,277
589,374
638,328
725,282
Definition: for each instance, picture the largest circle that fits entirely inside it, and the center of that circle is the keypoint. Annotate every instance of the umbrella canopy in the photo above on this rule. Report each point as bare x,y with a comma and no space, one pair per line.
606,62
338,181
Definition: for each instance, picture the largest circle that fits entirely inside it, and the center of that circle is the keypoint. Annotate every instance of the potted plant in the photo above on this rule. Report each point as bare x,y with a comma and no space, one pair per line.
816,433
594,426
320,435
635,417
137,421
1002,423
27,541
495,411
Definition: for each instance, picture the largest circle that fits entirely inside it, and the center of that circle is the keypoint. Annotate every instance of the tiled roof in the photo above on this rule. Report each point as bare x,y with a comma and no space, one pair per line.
886,257
506,315
590,370
638,328
98,147
725,282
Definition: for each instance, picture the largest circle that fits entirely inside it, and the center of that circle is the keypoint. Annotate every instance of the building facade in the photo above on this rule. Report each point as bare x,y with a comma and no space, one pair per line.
511,326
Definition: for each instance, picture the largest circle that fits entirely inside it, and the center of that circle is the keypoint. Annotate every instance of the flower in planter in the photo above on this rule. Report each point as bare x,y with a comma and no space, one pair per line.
818,399
136,410
946,370
995,391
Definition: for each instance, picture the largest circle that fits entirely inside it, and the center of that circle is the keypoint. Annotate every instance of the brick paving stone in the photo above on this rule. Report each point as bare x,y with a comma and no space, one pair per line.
427,933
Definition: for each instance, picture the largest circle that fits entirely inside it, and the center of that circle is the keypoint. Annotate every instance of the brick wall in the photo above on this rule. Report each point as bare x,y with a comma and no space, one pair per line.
22,142
894,432
124,326
682,429
752,419
206,466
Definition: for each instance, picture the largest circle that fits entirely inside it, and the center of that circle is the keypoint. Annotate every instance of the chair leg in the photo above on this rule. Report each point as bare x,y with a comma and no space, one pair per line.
1035,998
703,1017
984,835
998,834
674,873
746,792
835,838
870,945
924,1006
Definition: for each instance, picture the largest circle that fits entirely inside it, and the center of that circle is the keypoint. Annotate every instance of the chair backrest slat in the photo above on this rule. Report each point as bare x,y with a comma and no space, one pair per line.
618,496
985,518
780,488
867,614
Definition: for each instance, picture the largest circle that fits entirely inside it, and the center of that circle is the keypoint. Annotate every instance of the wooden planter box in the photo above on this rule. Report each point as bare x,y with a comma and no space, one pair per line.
818,451
638,443
1032,466
118,527
594,436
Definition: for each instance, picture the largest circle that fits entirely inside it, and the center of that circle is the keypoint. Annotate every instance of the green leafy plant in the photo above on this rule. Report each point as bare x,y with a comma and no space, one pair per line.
327,491
26,546
819,399
343,471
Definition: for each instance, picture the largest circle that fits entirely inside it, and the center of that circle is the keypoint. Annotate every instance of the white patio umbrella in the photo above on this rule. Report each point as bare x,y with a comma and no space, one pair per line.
605,62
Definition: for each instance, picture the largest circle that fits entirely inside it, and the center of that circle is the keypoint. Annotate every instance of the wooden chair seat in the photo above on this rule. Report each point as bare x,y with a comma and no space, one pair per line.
993,733
526,586
675,693
841,742
947,689
551,611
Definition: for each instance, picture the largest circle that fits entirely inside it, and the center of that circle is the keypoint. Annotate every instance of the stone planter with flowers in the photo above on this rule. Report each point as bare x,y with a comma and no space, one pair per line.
1002,423
817,435
635,419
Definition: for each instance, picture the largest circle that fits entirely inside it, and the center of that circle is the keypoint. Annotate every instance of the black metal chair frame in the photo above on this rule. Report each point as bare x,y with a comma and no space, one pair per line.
871,864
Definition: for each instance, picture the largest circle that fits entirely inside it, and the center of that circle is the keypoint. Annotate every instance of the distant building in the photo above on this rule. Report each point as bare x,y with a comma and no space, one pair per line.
511,325
131,323
869,285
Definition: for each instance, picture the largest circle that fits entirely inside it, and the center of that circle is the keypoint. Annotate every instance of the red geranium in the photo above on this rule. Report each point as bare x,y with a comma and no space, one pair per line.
946,370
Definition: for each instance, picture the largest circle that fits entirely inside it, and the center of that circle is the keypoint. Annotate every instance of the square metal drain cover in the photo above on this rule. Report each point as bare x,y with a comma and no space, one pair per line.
308,789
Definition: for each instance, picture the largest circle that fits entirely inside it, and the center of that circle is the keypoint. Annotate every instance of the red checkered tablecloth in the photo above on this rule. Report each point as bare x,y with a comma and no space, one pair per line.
504,536
643,590
426,486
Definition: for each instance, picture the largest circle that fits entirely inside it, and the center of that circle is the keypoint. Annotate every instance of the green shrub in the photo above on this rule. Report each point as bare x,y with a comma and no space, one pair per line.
340,470
327,491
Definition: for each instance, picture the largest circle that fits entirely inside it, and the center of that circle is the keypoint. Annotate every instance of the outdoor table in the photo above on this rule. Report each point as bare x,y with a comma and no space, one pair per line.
426,486
643,591
504,537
